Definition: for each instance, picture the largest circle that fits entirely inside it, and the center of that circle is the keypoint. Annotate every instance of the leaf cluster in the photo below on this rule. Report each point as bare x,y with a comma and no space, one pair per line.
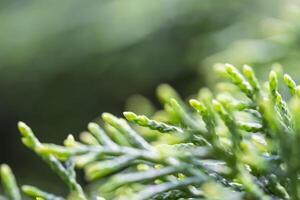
239,142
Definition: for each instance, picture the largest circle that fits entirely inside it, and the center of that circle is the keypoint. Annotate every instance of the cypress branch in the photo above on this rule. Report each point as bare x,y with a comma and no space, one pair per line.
241,141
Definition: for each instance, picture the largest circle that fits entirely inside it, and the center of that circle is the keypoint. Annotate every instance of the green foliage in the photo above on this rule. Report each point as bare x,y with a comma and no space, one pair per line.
241,143
9,183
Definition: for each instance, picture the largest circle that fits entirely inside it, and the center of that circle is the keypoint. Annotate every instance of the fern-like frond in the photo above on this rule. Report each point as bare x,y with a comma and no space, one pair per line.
240,143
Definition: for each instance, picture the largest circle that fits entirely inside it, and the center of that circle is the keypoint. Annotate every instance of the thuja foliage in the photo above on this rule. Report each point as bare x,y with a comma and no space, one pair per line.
241,141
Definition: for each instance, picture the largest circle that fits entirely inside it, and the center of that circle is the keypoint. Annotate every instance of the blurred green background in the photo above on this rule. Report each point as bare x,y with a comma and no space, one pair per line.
63,63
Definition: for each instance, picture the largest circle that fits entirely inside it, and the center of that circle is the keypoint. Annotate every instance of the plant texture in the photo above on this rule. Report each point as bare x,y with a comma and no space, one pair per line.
239,142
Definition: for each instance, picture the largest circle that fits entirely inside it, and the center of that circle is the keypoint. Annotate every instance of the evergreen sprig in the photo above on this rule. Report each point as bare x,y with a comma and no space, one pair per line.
231,144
